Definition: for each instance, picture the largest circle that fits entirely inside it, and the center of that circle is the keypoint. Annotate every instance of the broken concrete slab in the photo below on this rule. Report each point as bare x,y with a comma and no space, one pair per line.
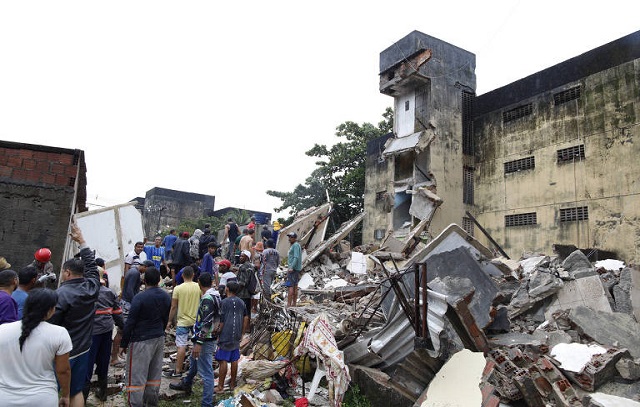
628,368
599,370
380,391
539,286
303,225
459,264
635,292
585,291
343,231
577,262
609,329
622,293
457,383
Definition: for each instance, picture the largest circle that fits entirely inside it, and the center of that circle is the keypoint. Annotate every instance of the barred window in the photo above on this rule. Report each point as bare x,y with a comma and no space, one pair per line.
467,185
522,164
521,219
566,95
571,153
574,214
468,147
516,113
468,225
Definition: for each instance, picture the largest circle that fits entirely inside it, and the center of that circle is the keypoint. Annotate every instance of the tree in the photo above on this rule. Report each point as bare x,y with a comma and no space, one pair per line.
340,171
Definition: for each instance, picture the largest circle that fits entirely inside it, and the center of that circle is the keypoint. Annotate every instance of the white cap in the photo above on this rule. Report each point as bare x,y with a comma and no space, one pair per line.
246,253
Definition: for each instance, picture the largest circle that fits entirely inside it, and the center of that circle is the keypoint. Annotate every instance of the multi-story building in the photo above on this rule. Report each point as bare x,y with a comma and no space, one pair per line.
549,159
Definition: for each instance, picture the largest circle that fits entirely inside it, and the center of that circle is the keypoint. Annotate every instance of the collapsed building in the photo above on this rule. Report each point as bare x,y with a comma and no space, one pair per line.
548,159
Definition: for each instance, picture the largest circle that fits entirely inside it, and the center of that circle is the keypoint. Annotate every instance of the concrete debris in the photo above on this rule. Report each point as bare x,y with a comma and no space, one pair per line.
612,329
628,368
607,400
414,318
457,383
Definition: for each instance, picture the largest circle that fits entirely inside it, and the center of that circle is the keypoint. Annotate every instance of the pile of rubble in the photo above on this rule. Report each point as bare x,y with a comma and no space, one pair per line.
545,330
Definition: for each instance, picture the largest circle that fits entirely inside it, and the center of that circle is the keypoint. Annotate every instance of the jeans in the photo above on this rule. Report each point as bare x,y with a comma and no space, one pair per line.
204,366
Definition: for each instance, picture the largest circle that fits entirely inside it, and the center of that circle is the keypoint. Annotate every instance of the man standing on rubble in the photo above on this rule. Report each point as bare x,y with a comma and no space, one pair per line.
42,263
234,321
167,243
270,263
244,277
294,262
77,296
156,252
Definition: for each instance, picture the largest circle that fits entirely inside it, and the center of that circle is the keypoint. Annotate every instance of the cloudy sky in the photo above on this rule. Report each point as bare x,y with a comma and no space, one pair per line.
224,98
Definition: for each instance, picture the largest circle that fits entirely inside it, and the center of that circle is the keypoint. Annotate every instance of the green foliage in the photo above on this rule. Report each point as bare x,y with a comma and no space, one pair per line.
353,398
340,171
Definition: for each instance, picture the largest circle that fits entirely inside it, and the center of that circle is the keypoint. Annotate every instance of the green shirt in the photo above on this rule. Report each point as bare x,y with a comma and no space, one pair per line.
295,257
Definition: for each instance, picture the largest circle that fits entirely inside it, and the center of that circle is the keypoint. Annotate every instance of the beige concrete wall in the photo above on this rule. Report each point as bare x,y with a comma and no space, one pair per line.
606,119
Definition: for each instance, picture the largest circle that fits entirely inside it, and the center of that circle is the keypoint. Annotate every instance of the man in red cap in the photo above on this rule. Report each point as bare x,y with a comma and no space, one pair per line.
42,263
226,275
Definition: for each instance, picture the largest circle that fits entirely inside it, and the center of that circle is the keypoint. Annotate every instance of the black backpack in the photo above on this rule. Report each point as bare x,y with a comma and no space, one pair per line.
252,285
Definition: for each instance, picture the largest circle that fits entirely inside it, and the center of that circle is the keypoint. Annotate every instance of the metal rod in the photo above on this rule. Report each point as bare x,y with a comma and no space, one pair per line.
487,234
423,278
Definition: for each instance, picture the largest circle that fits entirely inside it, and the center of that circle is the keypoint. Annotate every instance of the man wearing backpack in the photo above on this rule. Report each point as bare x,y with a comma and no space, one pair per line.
246,273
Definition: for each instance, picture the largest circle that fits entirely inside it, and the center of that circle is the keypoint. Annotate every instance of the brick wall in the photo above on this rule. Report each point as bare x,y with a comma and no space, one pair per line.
51,168
37,199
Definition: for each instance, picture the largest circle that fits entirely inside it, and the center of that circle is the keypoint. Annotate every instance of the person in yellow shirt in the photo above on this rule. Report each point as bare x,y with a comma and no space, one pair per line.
184,303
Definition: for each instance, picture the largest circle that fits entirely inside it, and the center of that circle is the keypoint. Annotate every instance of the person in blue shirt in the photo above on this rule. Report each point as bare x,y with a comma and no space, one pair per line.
26,281
208,264
167,243
156,253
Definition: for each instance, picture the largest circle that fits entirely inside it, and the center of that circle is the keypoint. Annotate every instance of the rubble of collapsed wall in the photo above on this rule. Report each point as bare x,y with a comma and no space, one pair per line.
518,314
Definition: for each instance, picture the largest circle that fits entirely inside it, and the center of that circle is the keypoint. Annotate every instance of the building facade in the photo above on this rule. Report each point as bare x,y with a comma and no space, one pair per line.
548,159
164,209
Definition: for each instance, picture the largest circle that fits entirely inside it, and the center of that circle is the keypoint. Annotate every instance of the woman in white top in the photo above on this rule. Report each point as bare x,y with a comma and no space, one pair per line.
29,349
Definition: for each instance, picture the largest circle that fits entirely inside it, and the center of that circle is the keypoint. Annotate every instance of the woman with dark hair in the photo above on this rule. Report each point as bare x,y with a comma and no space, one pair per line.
33,353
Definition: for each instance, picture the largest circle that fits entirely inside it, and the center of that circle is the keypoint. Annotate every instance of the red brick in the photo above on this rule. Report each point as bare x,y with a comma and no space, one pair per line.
48,178
42,166
5,171
66,159
3,151
14,161
40,155
19,173
62,180
33,175
29,164
492,401
57,168
25,153
53,157
3,159
70,171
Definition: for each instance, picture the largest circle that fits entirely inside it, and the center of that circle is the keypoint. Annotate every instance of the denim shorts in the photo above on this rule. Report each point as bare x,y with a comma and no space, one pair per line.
228,355
182,335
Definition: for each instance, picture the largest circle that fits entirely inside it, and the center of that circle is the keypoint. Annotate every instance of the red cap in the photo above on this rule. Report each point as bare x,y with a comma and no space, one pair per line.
42,255
225,262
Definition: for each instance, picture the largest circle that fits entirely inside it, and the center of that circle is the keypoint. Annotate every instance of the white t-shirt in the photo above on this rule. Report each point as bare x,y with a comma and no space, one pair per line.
134,259
229,275
28,378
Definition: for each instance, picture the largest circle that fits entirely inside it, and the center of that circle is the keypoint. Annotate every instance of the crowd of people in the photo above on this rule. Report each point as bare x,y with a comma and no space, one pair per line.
57,336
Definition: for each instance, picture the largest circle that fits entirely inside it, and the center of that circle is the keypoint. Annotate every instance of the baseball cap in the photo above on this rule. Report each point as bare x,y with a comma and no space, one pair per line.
148,263
246,253
224,262
259,247
292,234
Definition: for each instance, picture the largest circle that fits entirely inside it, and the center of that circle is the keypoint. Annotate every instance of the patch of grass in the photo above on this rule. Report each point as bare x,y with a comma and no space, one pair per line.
353,398
196,397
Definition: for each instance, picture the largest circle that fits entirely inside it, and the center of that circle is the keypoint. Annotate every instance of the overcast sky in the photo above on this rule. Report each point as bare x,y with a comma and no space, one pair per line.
224,98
